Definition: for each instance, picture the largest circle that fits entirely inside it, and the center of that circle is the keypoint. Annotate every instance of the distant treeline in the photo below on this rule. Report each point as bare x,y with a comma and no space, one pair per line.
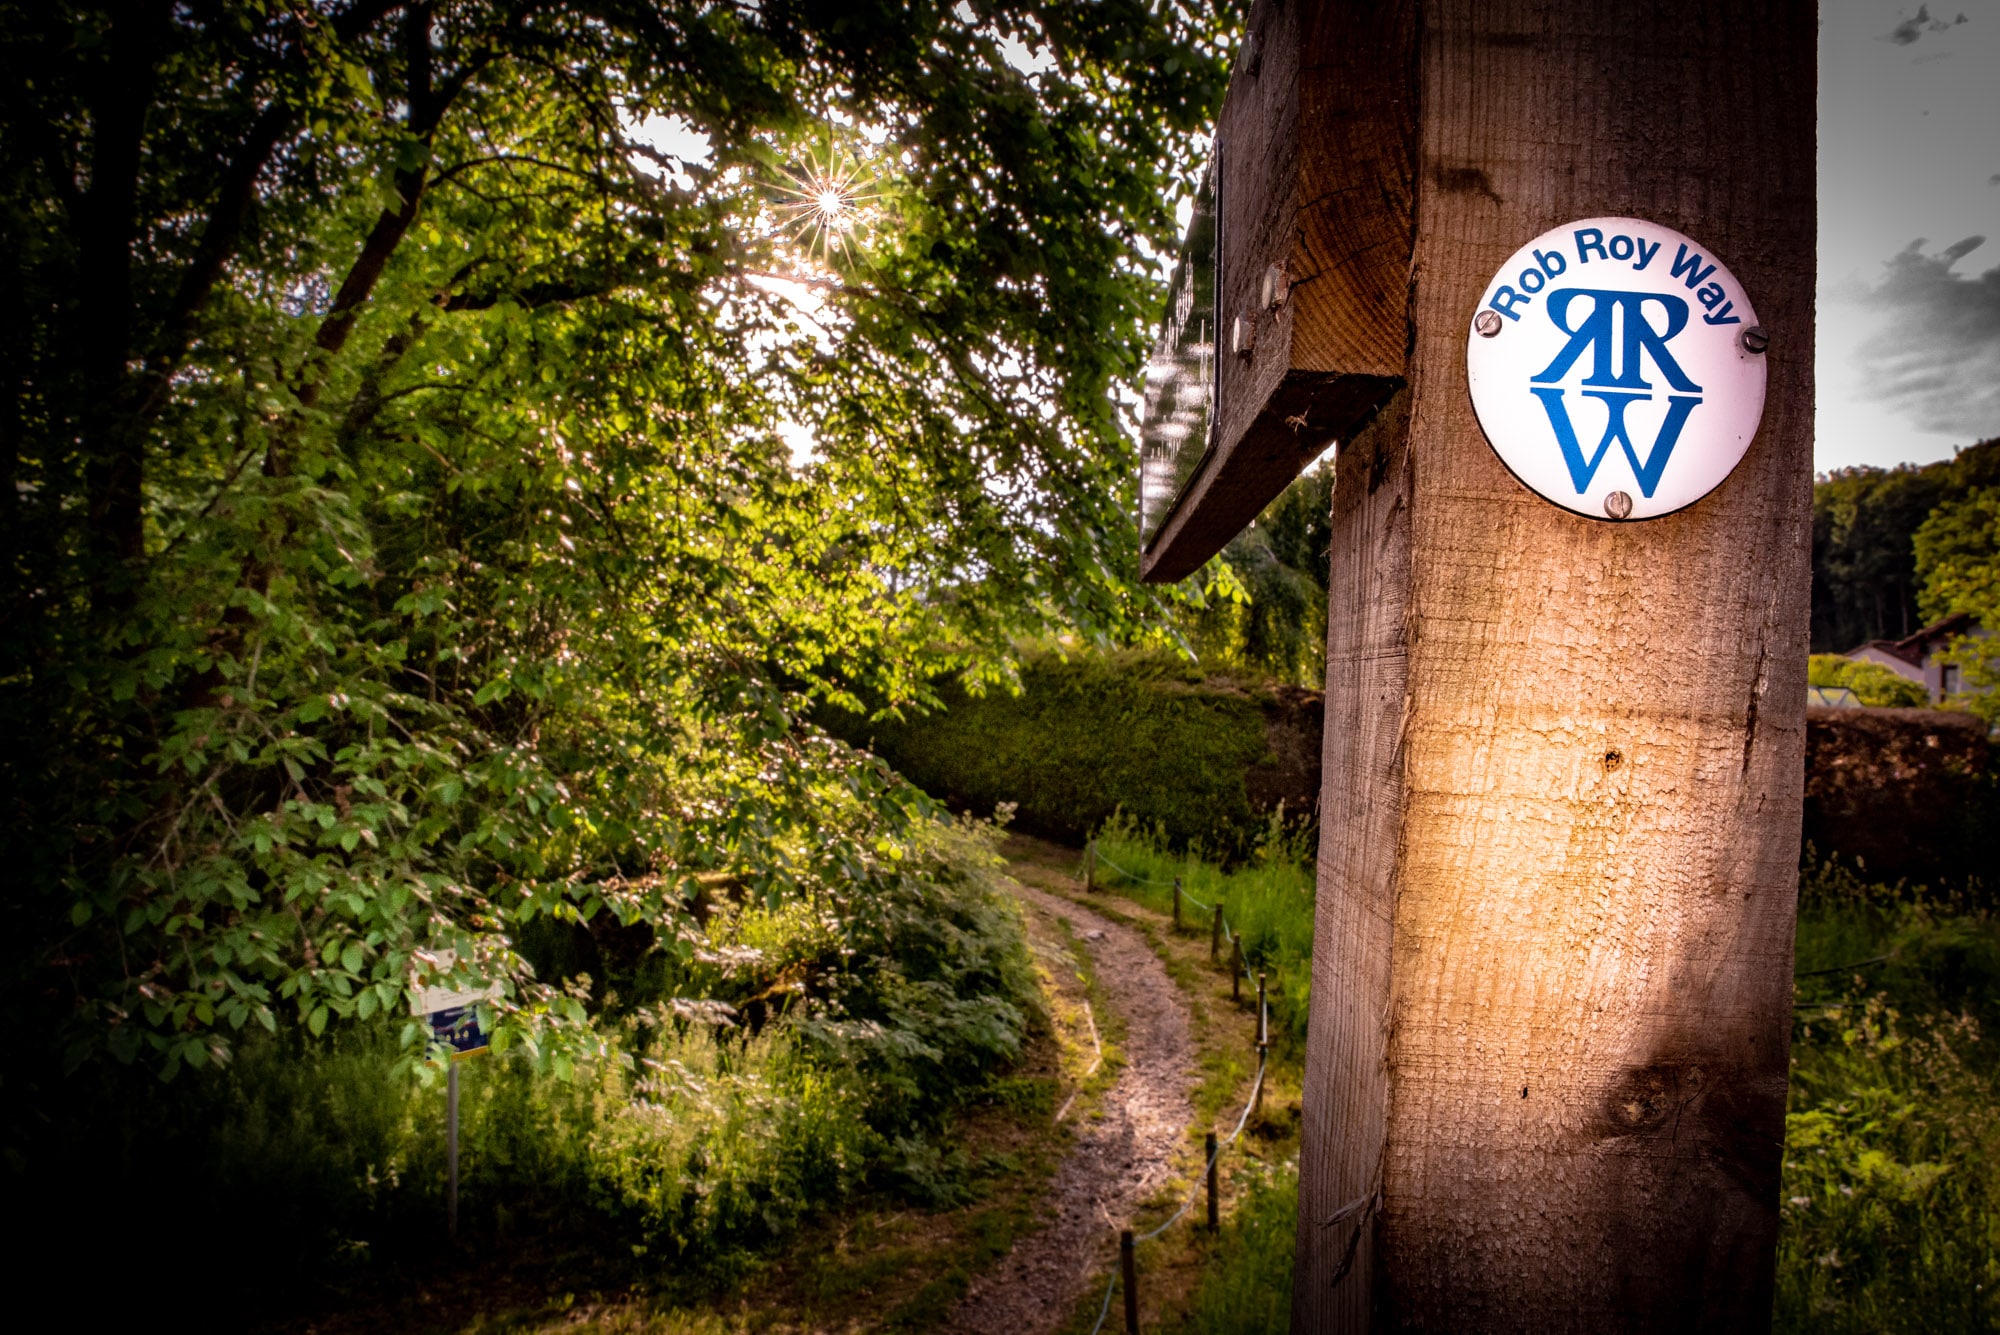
1868,573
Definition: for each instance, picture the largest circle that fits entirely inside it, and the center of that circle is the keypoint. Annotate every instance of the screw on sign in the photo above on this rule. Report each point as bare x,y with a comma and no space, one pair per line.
1617,332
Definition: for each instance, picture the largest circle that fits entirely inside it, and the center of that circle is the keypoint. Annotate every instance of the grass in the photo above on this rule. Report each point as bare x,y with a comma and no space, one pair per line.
1177,1268
1891,1186
1266,901
1891,1190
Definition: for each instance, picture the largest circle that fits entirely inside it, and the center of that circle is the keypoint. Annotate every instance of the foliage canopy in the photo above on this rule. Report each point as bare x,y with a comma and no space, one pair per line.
403,539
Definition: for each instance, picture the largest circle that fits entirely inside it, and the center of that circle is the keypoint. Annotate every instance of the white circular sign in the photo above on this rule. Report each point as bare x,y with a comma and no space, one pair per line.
1610,369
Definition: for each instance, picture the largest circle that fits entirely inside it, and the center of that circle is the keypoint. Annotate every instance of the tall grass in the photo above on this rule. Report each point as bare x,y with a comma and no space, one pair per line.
1246,1286
1266,901
1891,1191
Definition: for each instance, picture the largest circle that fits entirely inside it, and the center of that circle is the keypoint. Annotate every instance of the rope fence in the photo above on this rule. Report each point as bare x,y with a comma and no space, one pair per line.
1128,1241
1127,1270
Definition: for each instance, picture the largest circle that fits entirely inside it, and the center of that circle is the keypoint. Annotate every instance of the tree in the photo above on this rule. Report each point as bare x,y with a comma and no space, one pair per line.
1865,582
1264,609
1958,558
402,537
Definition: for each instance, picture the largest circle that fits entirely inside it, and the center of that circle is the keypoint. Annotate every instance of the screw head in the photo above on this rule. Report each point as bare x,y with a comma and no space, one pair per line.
1487,323
1618,504
1756,338
1243,335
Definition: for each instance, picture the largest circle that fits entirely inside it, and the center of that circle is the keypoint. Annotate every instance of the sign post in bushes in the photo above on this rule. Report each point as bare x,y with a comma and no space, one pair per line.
1544,273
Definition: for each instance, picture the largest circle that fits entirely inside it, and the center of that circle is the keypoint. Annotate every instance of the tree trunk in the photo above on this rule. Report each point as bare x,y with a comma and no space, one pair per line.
1551,1005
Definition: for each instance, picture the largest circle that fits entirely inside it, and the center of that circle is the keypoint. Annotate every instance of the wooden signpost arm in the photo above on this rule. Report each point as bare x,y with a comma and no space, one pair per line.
1563,768
1313,187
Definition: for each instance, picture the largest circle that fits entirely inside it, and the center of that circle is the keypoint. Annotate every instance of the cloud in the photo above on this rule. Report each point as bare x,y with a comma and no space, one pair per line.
1994,179
1909,30
1934,354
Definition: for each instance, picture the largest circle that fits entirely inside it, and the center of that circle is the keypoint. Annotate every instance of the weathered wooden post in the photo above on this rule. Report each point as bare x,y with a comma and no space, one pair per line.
1129,1271
1177,903
1505,253
1214,1205
1215,935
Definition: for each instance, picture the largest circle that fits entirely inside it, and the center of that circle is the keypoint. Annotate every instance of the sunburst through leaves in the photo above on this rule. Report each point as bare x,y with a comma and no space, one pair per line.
827,201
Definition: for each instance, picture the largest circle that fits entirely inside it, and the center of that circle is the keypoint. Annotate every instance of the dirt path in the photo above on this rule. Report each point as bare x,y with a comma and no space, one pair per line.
1124,1151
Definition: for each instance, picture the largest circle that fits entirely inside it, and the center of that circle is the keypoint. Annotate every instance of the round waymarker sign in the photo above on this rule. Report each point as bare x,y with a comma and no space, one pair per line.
1617,368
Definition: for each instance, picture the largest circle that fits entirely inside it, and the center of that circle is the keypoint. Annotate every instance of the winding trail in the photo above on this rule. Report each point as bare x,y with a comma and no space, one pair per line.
1123,1154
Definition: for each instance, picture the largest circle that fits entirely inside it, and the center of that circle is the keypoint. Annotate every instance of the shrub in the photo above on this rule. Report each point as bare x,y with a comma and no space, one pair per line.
1873,684
1088,736
1891,1187
799,1053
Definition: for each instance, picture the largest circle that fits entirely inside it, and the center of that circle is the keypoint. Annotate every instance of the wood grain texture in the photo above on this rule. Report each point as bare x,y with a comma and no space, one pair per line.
1330,209
1367,681
1595,831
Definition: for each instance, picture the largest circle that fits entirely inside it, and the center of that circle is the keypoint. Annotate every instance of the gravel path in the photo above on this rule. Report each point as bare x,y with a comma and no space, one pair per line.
1121,1157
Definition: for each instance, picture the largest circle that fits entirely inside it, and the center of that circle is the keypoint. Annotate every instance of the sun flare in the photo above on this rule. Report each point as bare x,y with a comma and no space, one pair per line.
826,202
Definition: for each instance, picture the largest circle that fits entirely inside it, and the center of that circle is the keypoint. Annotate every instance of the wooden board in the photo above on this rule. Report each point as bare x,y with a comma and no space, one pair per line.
1330,211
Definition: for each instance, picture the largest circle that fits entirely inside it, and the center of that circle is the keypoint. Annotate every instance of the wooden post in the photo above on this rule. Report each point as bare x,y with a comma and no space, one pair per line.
1177,903
1263,1049
1214,1207
1129,1267
451,1148
1215,935
1090,864
1236,968
1546,1073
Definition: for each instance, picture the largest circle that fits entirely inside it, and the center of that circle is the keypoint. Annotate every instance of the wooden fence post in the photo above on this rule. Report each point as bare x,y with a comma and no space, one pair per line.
1129,1266
1177,903
1215,934
1214,1208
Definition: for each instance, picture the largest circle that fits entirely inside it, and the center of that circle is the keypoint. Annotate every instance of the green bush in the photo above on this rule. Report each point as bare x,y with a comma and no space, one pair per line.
1873,684
799,1053
1891,1190
1088,736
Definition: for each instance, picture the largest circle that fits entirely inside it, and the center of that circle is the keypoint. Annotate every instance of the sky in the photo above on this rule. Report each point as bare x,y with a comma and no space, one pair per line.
1909,230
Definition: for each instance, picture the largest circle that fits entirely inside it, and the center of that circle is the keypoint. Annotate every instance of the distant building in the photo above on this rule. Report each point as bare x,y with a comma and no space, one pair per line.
1921,657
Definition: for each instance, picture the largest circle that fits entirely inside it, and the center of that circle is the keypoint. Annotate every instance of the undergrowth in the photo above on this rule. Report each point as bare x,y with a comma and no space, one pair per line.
1890,1201
1891,1192
1267,901
705,1130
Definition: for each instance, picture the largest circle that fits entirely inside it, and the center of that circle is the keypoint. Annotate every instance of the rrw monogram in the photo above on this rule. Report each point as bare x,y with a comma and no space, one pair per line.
1618,337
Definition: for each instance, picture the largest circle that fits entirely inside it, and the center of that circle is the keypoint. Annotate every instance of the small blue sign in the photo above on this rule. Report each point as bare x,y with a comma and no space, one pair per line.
457,1028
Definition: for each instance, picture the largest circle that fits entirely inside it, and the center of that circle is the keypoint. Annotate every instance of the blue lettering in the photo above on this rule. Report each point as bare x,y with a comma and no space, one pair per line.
1506,299
1621,247
1537,283
1723,316
1552,262
1582,470
1589,239
1691,266
1596,335
1646,253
